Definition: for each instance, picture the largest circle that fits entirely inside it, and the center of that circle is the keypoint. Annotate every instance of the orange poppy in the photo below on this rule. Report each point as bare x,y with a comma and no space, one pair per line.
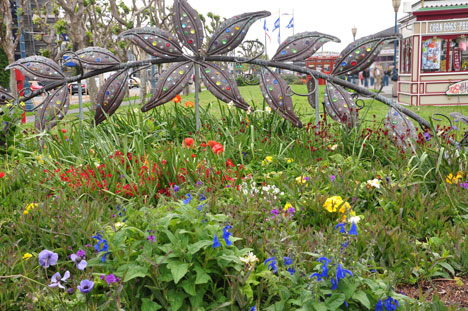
218,149
188,142
177,99
189,104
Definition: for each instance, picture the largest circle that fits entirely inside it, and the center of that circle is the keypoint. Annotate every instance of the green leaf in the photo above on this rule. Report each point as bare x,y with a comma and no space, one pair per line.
335,301
347,287
319,306
178,270
202,276
362,298
194,248
176,299
448,267
149,305
189,287
132,271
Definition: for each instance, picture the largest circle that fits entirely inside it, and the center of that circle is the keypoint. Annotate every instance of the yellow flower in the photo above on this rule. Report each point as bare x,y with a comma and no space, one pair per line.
30,207
26,256
25,212
267,160
302,180
454,179
332,148
289,160
287,206
39,159
332,203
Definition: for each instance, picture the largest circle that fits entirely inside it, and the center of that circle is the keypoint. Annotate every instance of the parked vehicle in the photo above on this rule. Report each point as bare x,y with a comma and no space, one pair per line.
74,88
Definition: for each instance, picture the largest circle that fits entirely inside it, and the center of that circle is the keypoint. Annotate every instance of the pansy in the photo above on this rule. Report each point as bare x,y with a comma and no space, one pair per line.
47,258
78,258
334,202
57,278
374,183
86,286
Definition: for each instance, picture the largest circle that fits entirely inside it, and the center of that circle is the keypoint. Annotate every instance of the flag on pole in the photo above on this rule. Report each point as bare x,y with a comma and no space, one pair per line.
277,24
291,23
265,26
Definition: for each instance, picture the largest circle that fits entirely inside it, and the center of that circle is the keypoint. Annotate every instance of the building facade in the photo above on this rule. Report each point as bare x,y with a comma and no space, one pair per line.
433,52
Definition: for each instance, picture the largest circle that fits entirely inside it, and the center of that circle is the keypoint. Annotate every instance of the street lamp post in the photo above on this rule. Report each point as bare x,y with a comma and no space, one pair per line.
354,31
396,6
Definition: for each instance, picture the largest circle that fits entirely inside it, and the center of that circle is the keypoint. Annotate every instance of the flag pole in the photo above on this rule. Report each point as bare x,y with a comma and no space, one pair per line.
294,22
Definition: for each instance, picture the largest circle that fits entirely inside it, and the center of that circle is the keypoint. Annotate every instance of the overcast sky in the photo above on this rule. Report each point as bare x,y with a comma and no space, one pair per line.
334,17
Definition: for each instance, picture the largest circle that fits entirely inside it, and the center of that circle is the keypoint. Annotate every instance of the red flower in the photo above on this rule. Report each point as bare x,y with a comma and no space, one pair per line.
229,163
64,130
188,142
2,174
218,149
203,145
177,99
211,143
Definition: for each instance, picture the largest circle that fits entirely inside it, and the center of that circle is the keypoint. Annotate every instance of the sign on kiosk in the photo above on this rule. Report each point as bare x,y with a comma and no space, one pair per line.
459,88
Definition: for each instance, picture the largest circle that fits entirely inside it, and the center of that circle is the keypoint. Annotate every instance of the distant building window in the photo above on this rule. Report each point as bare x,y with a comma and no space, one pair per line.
434,55
458,54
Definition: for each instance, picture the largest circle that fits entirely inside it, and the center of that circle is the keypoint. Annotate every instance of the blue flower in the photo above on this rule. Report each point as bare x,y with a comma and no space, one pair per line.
176,188
341,273
271,264
379,306
188,199
202,197
254,308
334,284
353,230
342,227
391,304
291,270
346,304
101,246
344,245
325,261
200,207
287,261
227,234
427,136
216,242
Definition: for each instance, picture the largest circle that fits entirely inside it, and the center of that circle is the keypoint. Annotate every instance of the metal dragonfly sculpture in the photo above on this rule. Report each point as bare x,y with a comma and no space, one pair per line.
184,50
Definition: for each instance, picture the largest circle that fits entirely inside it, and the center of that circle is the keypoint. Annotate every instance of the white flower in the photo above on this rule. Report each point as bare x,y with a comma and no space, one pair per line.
230,104
267,109
354,219
135,110
375,183
250,259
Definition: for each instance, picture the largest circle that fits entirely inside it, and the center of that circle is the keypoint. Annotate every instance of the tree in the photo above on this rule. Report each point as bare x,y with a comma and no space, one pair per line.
9,38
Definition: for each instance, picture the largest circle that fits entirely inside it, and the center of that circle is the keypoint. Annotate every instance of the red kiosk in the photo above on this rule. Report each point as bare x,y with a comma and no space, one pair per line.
324,63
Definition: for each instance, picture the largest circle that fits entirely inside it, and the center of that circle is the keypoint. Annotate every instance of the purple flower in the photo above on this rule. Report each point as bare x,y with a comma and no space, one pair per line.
427,136
332,177
226,235
80,262
47,258
287,261
216,242
110,279
176,188
151,238
275,212
57,278
81,253
86,286
464,185
202,197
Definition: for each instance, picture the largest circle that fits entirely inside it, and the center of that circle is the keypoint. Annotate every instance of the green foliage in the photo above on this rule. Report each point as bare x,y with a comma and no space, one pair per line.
4,74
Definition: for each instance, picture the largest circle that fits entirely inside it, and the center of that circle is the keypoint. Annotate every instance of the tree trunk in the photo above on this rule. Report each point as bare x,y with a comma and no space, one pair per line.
92,91
143,80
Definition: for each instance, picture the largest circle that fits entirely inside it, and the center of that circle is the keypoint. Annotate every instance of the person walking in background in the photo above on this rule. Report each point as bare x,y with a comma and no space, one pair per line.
361,78
371,75
377,72
387,73
366,76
